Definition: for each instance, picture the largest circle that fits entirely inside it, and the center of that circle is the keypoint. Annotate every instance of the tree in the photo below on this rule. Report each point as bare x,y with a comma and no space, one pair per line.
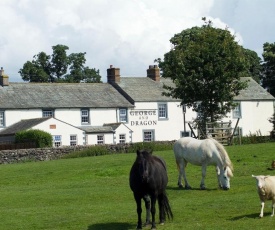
59,67
254,68
205,65
268,77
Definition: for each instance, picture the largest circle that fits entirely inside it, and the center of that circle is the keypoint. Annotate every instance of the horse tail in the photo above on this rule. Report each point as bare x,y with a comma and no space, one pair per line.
166,206
224,155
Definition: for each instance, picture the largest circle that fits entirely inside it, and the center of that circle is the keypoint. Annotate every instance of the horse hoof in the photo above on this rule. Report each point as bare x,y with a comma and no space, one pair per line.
187,187
180,185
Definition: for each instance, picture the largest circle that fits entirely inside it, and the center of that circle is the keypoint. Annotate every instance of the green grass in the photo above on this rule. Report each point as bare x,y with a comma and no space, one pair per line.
93,193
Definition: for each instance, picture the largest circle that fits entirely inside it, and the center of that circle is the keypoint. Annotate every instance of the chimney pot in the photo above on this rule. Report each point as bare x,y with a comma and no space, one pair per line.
113,75
4,79
153,72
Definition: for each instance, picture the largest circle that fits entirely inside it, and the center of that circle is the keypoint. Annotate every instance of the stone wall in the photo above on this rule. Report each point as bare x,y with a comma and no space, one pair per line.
45,154
35,154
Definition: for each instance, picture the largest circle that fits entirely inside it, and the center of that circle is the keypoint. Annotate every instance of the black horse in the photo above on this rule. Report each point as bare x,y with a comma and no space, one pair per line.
148,181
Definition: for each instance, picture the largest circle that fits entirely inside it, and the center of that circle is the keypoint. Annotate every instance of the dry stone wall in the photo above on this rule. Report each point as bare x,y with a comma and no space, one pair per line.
35,154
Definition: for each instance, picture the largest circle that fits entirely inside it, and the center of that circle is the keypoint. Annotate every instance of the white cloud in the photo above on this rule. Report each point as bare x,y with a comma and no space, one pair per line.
126,34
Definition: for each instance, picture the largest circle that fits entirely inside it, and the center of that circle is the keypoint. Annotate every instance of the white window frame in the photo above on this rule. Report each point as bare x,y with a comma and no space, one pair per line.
73,140
57,141
237,111
47,113
162,111
122,138
148,135
100,139
2,119
85,116
123,115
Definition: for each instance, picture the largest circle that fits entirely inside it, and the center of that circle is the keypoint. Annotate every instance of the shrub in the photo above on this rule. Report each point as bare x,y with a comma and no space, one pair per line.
98,150
252,139
40,138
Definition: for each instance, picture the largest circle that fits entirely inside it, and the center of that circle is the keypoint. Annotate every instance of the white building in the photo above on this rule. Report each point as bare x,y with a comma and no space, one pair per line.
123,110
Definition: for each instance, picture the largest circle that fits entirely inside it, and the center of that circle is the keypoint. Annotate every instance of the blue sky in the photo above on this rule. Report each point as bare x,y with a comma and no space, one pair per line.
128,34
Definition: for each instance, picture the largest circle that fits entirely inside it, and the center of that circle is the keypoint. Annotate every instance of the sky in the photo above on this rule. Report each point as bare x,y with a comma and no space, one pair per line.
128,34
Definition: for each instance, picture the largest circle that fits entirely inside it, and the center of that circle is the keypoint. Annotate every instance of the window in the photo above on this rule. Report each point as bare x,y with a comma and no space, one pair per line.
162,108
47,113
185,134
237,111
57,140
85,118
2,119
122,138
148,135
73,140
123,115
100,139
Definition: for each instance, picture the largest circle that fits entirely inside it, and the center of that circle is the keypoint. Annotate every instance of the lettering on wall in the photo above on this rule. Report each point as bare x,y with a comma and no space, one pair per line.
143,117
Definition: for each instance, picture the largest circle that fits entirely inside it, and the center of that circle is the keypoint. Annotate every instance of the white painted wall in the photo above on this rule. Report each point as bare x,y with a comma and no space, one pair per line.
92,138
56,127
254,118
167,129
14,116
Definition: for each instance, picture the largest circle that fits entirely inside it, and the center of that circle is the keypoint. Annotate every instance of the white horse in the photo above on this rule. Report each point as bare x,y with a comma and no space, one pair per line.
203,153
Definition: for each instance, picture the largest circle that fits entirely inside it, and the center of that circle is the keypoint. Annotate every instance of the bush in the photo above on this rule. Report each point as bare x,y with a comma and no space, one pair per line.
40,138
252,139
99,150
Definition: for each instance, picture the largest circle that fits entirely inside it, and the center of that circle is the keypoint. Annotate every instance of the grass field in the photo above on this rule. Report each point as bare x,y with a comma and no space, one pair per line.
93,194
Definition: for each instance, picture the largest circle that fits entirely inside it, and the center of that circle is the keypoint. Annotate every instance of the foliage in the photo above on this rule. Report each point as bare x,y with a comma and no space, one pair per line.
251,139
268,77
205,65
54,68
98,150
272,120
93,193
41,138
253,65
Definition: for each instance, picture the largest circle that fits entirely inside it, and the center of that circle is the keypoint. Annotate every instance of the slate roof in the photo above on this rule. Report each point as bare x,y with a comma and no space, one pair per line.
106,128
144,89
22,125
61,95
97,129
253,92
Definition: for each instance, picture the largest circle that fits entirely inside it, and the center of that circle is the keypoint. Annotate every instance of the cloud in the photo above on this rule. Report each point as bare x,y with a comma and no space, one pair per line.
127,34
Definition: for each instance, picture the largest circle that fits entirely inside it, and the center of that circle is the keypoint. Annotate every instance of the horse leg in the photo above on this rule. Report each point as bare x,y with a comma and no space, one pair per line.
218,171
139,211
147,206
161,209
153,211
181,166
203,170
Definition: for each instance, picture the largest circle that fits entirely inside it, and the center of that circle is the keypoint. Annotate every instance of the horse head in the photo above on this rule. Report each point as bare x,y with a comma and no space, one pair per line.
143,157
224,177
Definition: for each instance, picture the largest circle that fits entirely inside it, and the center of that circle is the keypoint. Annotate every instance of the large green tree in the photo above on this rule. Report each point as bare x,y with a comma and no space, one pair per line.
59,67
268,77
253,65
206,65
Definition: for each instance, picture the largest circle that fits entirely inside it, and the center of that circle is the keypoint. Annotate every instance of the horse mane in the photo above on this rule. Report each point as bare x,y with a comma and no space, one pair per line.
226,160
148,155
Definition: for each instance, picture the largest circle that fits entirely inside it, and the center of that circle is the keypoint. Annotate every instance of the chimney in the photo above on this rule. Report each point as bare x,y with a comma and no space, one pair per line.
113,75
4,79
153,72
